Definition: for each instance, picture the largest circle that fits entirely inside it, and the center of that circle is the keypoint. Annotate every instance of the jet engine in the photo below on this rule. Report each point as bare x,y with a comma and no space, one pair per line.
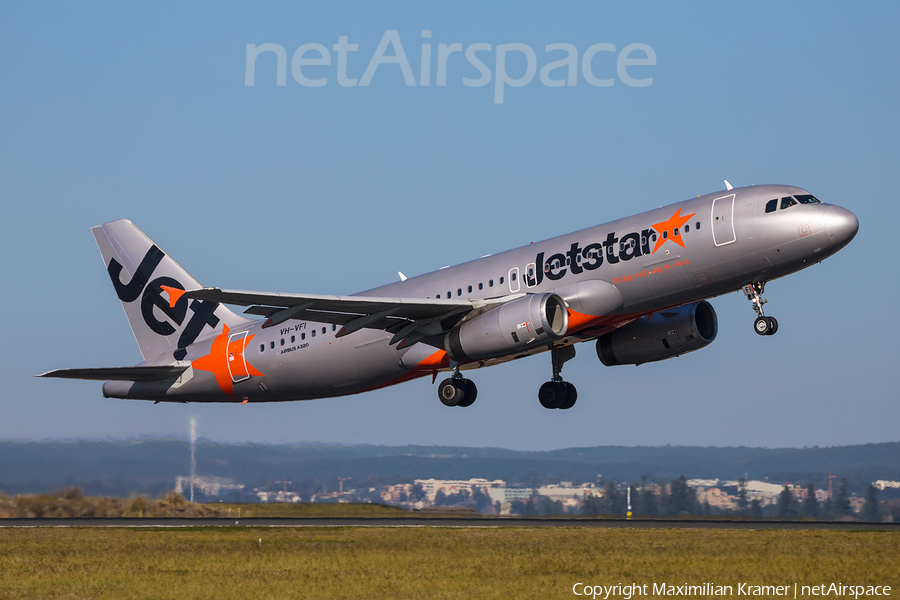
535,320
660,335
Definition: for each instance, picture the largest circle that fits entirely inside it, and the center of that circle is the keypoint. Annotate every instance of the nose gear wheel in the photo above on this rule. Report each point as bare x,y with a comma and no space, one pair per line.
763,325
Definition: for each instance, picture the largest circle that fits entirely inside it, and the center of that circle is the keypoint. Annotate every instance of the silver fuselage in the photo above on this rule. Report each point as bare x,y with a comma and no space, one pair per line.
727,241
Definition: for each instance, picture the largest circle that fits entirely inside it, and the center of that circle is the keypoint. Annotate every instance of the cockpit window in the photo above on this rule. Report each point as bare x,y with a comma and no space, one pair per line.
787,202
771,205
807,199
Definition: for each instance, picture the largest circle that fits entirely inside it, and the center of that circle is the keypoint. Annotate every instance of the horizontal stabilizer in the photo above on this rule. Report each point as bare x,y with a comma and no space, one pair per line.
141,373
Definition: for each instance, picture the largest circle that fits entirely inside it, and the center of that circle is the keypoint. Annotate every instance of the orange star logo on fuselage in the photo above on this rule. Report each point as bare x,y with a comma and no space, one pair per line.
670,231
221,354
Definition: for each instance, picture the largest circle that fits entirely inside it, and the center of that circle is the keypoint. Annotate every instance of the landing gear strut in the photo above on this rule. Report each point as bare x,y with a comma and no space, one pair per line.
763,325
457,390
557,393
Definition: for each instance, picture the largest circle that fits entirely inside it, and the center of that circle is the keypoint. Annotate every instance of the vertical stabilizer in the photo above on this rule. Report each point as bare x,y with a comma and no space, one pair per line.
148,283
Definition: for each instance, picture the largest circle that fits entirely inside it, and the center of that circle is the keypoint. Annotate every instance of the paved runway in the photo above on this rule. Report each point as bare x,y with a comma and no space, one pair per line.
450,522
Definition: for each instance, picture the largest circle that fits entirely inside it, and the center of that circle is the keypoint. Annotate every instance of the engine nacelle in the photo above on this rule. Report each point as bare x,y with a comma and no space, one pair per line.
661,335
535,320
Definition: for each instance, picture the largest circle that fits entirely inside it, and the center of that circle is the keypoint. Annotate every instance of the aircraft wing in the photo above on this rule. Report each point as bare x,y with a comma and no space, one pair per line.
140,373
409,319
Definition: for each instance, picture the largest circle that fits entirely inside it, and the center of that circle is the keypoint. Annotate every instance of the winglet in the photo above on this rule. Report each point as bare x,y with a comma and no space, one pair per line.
402,276
174,294
728,186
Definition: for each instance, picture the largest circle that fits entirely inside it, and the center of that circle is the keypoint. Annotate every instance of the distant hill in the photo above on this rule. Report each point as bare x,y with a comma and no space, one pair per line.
149,466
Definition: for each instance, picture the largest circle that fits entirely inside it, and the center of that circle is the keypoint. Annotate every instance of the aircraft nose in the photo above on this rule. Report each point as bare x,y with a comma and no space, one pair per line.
841,225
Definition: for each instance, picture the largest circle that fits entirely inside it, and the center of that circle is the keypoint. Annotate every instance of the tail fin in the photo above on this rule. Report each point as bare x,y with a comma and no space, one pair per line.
148,283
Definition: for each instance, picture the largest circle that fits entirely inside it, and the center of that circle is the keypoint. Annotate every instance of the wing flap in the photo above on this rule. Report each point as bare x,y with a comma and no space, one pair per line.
140,373
374,312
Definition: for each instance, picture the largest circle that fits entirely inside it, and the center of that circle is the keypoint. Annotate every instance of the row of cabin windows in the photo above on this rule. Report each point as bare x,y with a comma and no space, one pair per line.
480,287
262,347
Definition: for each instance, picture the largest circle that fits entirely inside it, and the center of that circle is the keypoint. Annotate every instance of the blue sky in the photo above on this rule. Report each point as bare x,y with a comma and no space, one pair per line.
141,112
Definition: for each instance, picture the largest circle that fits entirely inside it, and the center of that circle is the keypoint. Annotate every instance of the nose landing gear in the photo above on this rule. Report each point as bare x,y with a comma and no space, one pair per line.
457,390
557,393
763,325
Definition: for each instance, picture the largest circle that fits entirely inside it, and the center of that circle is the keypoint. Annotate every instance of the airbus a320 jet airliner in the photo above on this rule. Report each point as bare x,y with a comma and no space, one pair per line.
638,286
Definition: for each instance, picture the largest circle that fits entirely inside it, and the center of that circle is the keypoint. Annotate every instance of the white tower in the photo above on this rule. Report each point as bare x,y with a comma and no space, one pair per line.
193,460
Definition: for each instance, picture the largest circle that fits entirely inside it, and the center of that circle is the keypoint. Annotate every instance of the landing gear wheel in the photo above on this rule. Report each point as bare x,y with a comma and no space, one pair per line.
470,395
763,325
571,396
551,394
452,392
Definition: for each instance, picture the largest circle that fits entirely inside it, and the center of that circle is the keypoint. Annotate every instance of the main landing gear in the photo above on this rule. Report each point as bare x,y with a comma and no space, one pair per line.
763,325
457,390
557,393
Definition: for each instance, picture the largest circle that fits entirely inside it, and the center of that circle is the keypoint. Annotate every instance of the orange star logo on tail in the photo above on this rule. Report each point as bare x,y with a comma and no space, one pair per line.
222,354
670,231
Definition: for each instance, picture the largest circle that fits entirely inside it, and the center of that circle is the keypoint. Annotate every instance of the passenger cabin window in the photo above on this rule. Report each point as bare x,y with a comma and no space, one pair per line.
323,331
697,225
449,294
787,202
314,333
293,339
480,286
459,291
687,228
272,345
470,289
282,341
771,205
501,281
262,347
490,283
302,336
807,199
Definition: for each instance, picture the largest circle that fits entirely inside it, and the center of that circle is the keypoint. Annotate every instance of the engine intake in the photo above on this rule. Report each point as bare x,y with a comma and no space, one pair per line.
535,320
659,336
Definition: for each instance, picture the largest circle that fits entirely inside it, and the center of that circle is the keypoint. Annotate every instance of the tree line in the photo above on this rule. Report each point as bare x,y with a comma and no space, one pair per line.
675,498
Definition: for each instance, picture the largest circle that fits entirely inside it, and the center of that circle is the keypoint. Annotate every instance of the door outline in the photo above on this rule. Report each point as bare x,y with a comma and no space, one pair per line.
239,338
728,212
514,270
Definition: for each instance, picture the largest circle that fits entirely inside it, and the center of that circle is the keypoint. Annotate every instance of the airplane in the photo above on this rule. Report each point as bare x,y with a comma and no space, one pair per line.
639,286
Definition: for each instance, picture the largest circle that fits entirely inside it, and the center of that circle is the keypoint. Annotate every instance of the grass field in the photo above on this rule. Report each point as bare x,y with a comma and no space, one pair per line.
422,562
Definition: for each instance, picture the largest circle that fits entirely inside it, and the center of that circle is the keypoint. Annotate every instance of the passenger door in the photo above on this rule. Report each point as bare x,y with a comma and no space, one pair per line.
237,363
723,220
